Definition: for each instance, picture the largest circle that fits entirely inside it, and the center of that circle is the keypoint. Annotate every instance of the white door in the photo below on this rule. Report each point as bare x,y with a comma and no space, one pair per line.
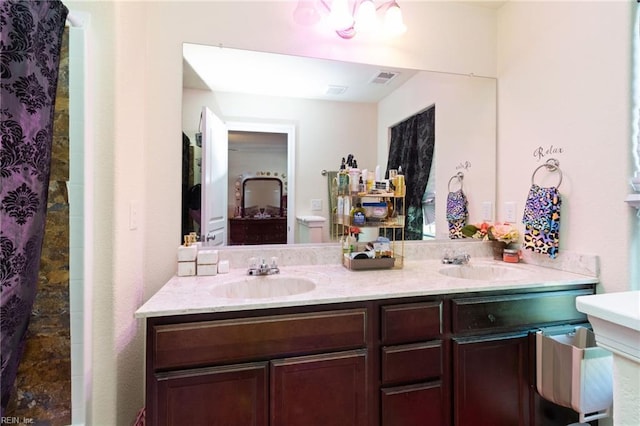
215,153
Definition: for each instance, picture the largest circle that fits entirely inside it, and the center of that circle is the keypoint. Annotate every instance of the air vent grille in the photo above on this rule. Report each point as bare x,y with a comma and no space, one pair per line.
335,90
384,77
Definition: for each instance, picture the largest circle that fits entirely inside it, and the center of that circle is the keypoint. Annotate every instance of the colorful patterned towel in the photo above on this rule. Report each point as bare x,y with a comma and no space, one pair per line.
542,220
456,213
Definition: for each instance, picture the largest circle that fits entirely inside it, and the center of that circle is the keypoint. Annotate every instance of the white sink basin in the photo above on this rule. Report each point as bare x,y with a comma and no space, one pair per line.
261,287
482,272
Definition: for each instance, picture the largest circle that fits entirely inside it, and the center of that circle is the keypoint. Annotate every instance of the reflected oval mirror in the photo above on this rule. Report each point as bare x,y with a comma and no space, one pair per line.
262,197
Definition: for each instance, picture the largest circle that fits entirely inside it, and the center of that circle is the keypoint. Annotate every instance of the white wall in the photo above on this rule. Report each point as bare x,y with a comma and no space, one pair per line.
564,80
111,364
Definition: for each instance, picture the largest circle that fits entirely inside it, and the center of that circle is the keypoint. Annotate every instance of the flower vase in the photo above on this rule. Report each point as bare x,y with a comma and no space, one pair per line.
498,248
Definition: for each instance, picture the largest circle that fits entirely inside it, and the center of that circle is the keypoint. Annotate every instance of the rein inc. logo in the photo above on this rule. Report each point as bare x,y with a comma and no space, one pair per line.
17,421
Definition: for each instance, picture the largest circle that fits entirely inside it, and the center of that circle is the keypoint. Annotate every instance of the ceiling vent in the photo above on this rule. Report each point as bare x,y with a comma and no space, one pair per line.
335,90
384,77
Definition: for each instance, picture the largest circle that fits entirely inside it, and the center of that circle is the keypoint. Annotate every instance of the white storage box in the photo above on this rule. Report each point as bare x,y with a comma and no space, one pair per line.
207,257
573,372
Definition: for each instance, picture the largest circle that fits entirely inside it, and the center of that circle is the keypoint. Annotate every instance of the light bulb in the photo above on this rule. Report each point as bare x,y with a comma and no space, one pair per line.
340,16
393,23
366,20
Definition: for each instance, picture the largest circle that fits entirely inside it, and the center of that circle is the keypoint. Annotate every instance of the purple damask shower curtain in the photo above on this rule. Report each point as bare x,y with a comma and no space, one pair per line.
29,52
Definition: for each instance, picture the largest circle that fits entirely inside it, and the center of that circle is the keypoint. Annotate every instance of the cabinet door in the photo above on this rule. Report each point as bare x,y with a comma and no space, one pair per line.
490,381
414,405
233,395
322,390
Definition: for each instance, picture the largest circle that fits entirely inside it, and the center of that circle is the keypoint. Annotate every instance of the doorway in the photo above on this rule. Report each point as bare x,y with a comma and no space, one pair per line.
254,148
247,156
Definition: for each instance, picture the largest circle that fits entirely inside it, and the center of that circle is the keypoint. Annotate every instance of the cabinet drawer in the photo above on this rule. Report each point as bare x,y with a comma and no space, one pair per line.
514,311
238,340
411,363
414,405
411,322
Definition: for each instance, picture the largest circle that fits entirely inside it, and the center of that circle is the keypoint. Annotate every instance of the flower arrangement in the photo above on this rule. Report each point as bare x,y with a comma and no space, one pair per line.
504,232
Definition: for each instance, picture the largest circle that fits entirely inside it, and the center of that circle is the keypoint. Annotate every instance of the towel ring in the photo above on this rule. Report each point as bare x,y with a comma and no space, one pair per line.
459,176
552,165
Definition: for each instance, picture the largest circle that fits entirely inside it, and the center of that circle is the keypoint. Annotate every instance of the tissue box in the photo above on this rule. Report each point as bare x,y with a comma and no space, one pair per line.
207,257
187,253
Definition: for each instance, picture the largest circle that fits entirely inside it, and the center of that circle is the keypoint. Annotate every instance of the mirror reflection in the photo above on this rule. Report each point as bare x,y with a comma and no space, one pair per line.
261,218
328,125
262,198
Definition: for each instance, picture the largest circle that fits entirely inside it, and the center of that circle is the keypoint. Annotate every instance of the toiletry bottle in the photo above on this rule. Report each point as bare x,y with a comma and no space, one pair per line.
358,217
354,180
346,209
344,242
351,243
371,177
343,179
400,183
390,208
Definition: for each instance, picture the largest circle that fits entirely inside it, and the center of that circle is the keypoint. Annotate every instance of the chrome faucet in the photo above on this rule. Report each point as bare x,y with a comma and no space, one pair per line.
263,268
456,258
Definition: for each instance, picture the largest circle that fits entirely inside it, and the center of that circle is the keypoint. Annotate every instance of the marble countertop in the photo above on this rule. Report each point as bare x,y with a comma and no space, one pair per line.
333,283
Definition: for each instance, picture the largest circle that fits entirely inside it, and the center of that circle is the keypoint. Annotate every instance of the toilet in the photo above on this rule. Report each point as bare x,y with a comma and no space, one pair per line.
310,228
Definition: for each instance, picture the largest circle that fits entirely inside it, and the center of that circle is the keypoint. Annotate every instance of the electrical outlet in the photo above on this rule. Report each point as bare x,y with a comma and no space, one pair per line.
510,211
487,211
316,205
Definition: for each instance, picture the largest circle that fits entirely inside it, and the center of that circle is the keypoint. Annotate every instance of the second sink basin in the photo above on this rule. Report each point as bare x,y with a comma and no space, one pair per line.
261,287
486,272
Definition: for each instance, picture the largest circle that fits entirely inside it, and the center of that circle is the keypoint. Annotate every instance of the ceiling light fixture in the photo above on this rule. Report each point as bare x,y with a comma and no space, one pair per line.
348,18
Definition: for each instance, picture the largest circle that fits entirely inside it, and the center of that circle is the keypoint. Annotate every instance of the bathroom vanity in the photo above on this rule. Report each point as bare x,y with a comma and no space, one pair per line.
415,346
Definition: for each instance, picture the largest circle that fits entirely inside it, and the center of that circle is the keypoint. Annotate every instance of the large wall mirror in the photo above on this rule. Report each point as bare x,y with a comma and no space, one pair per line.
337,108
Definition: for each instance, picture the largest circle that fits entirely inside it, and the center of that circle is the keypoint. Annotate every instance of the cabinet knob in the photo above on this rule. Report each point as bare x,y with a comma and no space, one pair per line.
491,318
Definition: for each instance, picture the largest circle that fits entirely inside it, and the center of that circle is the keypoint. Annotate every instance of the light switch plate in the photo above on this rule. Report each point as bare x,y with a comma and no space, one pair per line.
510,211
133,215
316,205
487,211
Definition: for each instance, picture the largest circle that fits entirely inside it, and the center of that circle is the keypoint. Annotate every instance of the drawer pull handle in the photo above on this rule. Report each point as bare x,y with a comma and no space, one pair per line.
491,318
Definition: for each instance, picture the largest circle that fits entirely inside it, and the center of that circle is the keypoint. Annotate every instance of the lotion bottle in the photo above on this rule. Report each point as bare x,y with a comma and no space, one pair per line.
358,217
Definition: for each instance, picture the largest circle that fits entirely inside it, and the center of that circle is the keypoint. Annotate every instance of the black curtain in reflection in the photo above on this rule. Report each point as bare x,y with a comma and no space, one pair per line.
411,148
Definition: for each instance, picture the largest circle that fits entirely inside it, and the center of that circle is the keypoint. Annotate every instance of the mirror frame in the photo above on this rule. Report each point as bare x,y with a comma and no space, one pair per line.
260,178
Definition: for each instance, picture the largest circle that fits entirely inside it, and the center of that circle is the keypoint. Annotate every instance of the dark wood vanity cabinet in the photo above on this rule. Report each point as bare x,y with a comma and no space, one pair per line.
326,389
491,380
413,388
494,364
442,360
289,369
234,395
